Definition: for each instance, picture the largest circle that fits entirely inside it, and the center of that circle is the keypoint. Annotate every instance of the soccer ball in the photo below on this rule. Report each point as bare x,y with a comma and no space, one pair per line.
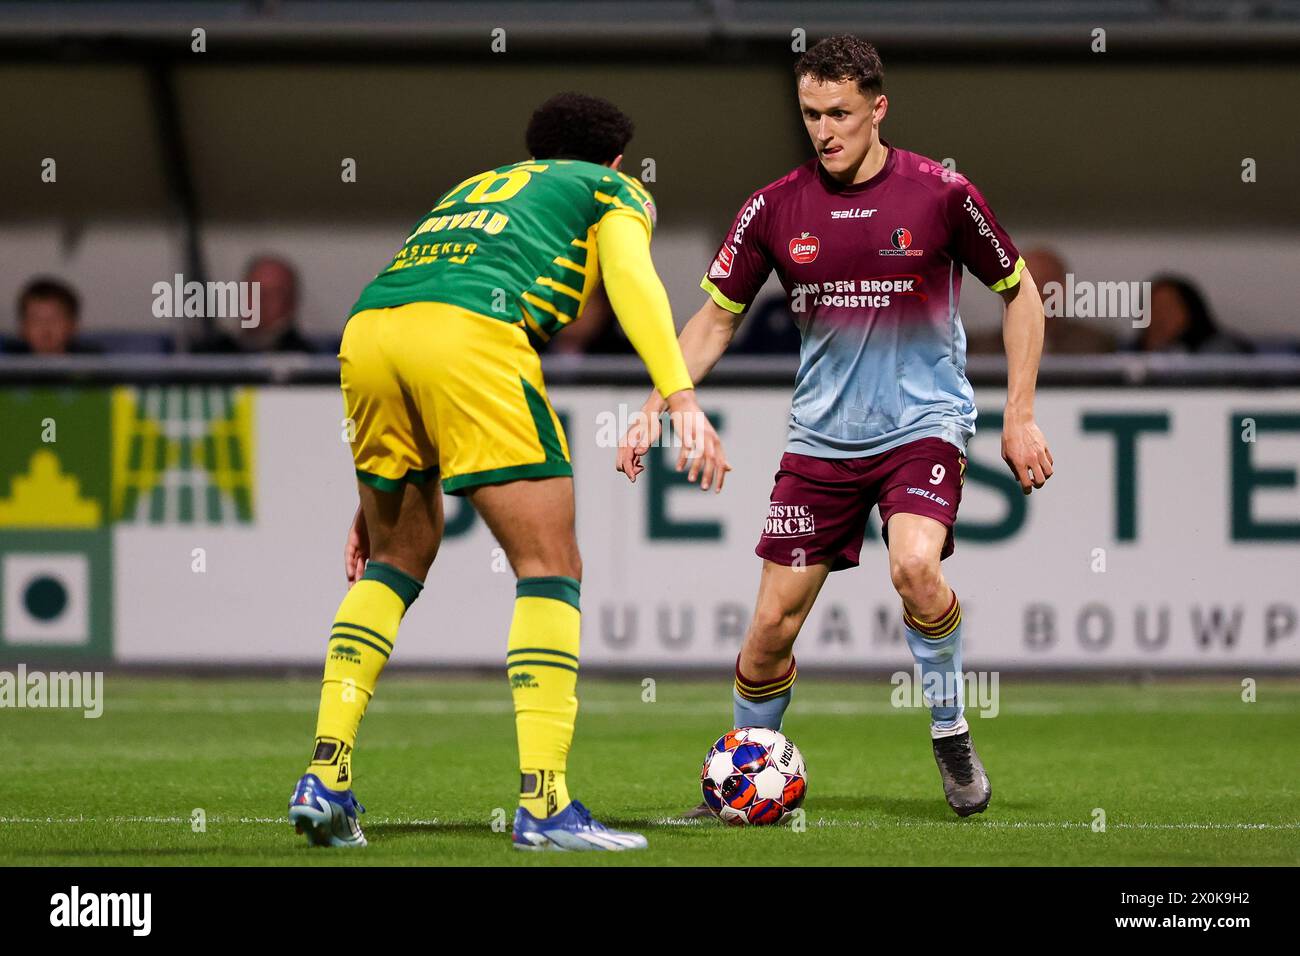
753,776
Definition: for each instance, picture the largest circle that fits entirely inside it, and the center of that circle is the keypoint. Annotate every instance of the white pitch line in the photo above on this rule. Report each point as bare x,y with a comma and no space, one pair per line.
678,822
1012,825
253,705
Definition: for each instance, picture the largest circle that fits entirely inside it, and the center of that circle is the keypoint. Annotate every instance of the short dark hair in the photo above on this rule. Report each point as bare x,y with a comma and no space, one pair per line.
46,288
839,58
577,126
1200,320
270,258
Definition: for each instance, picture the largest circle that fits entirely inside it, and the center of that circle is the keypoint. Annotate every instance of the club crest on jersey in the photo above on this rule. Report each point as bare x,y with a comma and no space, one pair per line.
901,240
804,249
721,267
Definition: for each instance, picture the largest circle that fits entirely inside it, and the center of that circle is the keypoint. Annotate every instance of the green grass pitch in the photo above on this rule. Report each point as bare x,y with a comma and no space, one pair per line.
1185,771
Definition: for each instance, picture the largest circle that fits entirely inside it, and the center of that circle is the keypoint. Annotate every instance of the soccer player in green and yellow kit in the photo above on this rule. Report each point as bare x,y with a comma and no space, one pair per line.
442,383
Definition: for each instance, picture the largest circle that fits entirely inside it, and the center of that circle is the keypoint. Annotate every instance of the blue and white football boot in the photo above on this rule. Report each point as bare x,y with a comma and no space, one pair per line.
571,829
327,817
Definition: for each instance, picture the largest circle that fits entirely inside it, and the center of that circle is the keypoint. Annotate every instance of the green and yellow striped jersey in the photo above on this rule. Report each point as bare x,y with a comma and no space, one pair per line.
515,243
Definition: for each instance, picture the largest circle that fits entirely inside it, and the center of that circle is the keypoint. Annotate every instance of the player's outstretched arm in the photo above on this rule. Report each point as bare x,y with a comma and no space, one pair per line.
639,300
1024,448
703,341
641,306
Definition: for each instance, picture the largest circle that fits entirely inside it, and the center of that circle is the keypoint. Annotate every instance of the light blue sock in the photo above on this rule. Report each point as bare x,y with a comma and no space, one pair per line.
759,713
936,648
762,705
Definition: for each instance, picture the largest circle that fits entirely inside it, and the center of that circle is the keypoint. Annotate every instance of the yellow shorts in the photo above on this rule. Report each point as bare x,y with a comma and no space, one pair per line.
433,390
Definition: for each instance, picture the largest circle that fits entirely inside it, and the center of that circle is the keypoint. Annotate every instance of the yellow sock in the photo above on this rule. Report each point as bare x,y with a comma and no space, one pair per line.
360,641
543,792
542,663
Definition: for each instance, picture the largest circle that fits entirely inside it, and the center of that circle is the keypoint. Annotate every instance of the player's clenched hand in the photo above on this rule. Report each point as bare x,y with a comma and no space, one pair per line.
357,549
641,435
700,444
1024,449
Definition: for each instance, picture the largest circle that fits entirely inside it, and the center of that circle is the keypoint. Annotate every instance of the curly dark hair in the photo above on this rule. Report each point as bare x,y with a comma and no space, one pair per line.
577,126
839,58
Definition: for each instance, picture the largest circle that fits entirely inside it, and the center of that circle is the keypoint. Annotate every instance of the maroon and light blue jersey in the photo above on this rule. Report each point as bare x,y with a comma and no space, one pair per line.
872,273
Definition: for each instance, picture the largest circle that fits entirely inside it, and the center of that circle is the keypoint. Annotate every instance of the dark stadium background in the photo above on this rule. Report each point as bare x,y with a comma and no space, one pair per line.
176,161
1128,163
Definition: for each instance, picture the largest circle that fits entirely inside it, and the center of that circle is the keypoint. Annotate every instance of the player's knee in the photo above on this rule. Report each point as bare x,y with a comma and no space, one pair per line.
773,630
916,576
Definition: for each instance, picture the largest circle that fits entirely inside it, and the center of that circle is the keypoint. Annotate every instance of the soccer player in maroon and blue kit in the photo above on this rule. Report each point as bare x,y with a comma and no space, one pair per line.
869,242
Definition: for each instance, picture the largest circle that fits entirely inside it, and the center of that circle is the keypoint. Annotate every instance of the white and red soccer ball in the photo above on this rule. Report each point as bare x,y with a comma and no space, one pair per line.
753,776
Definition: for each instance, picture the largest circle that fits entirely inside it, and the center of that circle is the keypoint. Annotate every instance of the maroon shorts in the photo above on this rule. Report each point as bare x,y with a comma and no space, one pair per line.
819,507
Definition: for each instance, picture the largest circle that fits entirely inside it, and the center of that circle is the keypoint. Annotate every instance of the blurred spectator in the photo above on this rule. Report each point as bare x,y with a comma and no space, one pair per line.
1181,322
49,313
276,330
1062,335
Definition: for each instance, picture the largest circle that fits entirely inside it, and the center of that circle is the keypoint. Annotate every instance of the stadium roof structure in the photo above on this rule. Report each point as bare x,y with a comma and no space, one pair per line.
84,26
